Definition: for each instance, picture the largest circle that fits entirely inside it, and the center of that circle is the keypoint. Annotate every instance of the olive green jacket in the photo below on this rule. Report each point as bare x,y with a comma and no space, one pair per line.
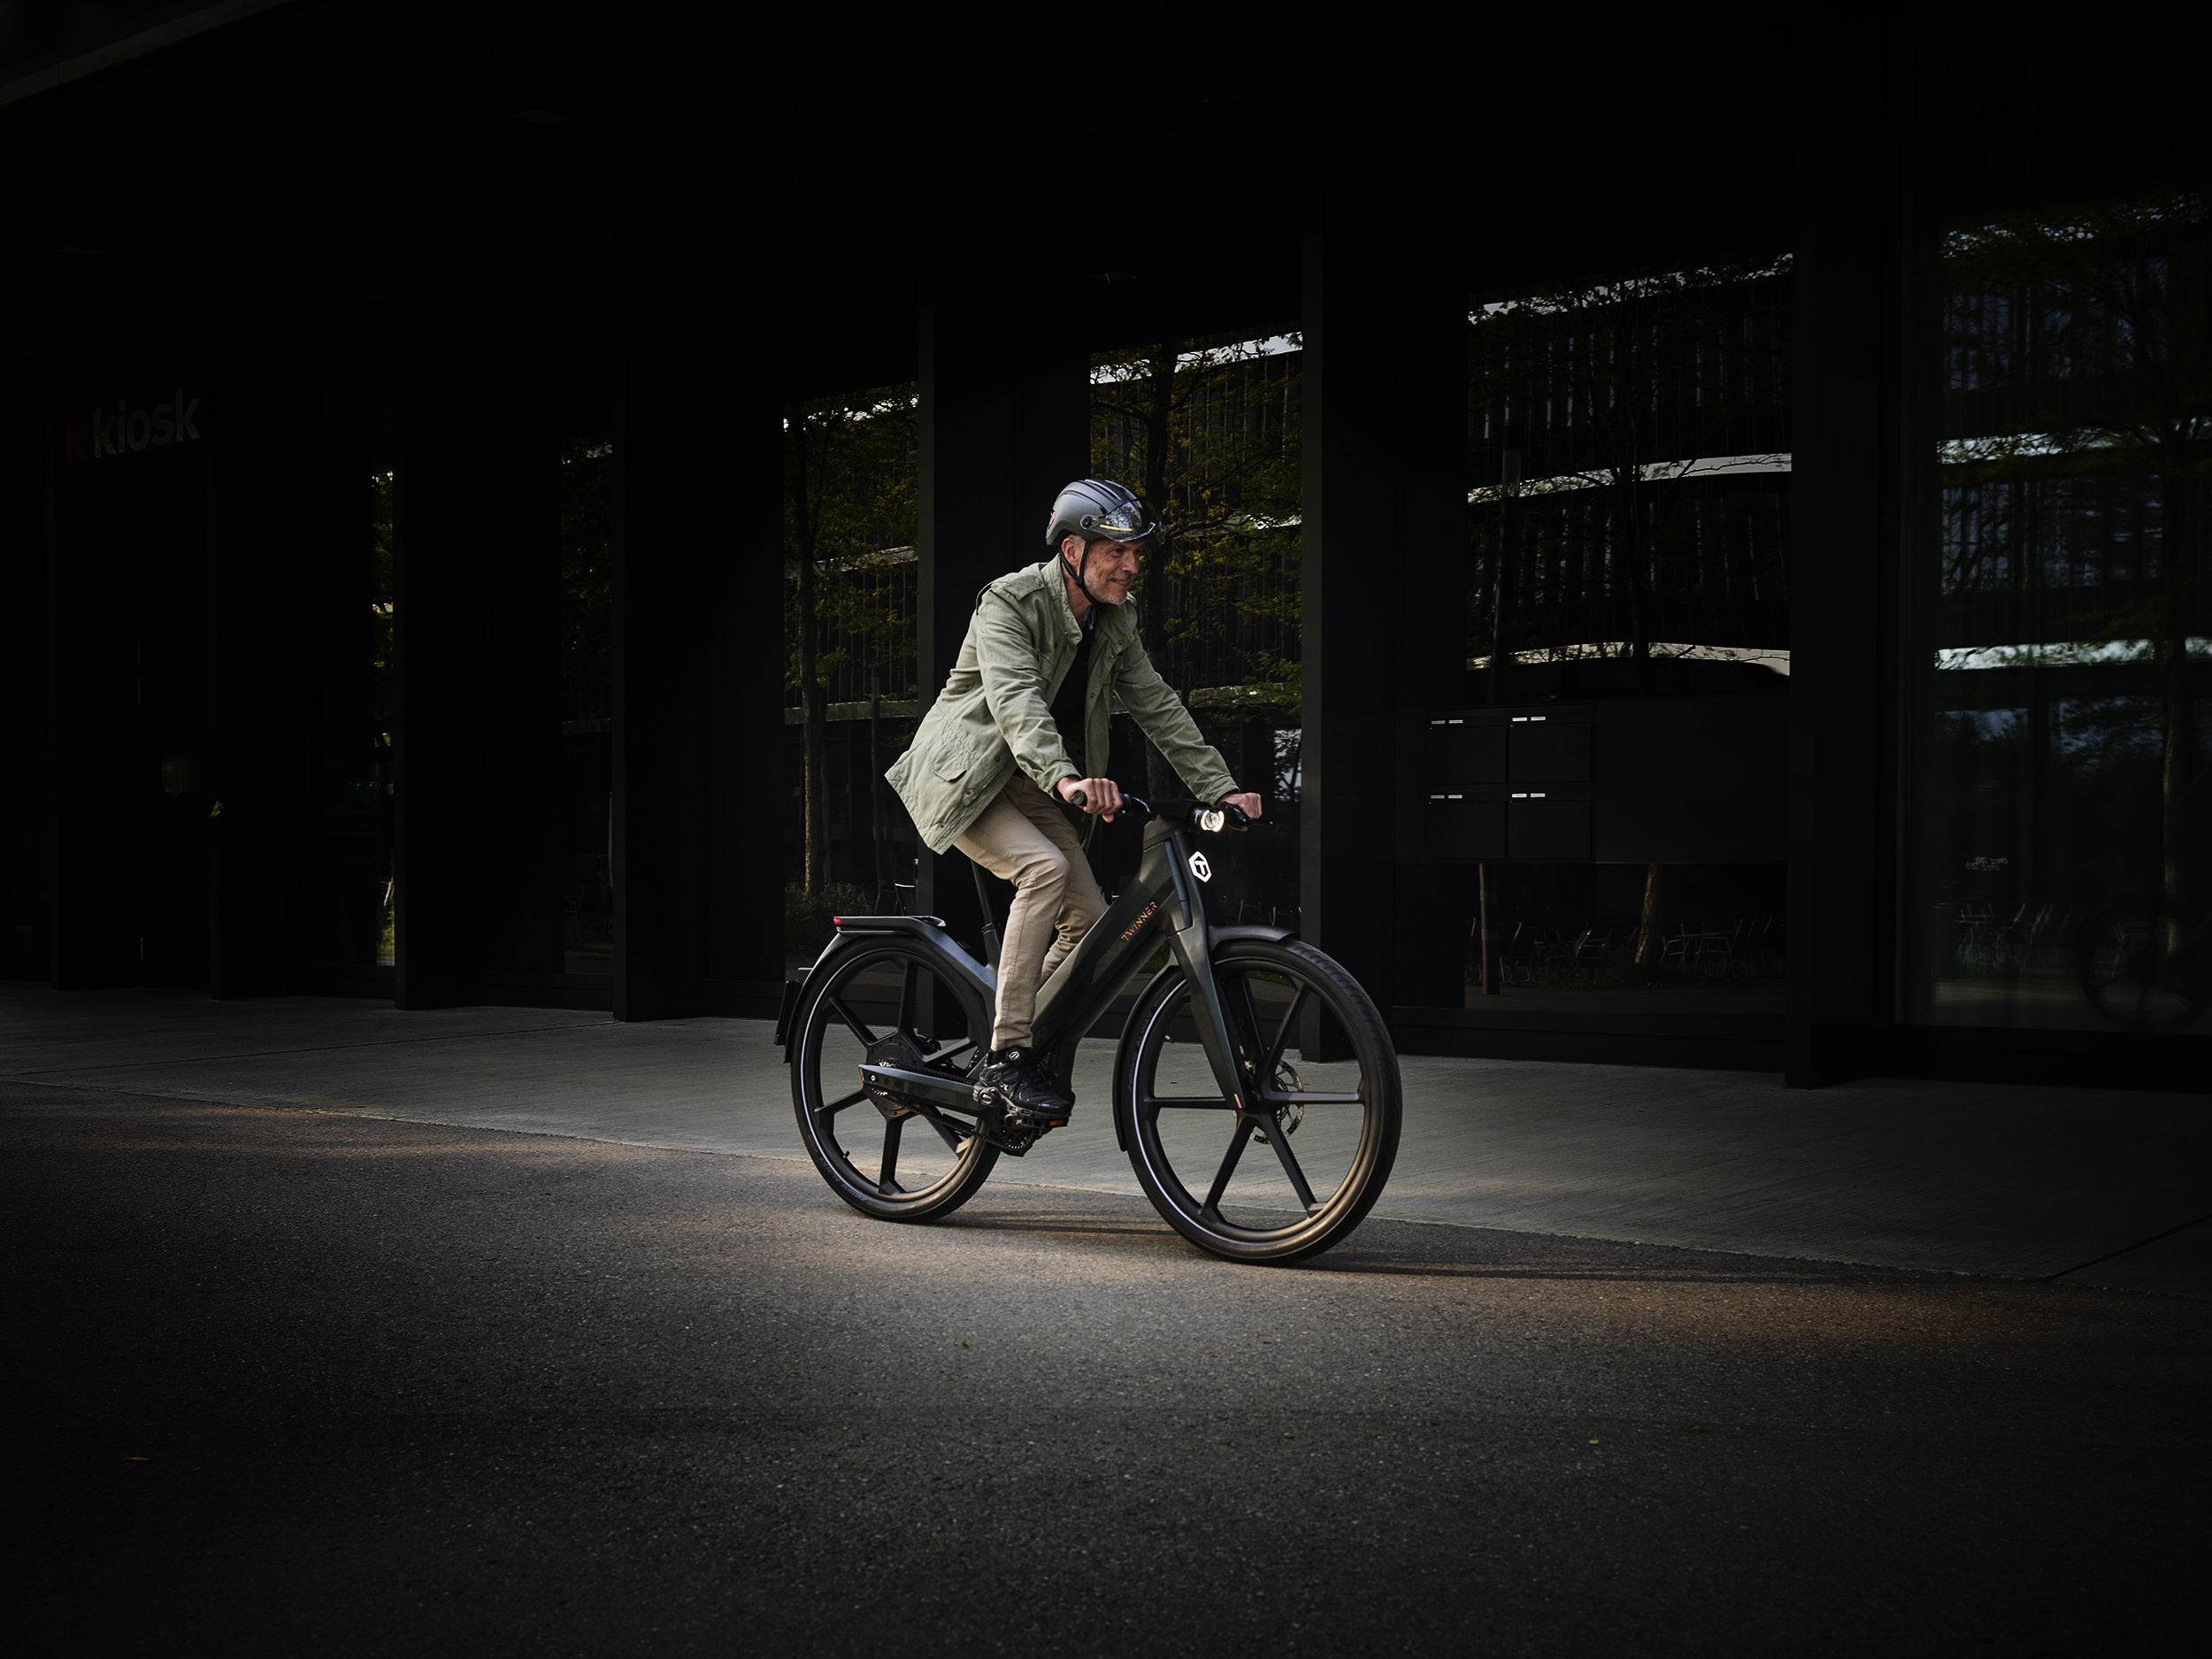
995,711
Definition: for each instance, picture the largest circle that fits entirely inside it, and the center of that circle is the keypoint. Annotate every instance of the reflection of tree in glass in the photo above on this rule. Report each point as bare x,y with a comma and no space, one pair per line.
2079,400
1604,397
851,478
1207,433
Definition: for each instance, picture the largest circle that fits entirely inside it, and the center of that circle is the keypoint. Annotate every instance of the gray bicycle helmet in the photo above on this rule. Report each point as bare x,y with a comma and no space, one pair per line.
1098,509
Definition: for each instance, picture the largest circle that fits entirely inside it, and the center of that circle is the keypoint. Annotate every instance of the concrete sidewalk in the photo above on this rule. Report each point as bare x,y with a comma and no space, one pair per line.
2096,1187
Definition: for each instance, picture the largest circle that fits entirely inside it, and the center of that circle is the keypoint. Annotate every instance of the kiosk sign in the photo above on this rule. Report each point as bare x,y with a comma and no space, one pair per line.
128,428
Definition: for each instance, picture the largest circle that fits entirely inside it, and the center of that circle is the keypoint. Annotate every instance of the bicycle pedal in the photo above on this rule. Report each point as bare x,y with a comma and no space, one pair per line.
1014,1139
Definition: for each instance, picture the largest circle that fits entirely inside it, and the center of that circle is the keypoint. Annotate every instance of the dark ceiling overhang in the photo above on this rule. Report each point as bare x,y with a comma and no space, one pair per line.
335,155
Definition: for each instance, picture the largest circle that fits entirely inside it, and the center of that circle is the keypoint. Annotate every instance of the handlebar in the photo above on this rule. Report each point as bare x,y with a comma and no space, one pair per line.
1225,816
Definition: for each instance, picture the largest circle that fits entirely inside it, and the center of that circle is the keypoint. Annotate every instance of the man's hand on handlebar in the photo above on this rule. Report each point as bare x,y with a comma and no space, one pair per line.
1247,804
1098,796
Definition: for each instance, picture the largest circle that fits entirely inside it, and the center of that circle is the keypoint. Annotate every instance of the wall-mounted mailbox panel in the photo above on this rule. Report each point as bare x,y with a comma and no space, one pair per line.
1463,750
1659,780
1550,748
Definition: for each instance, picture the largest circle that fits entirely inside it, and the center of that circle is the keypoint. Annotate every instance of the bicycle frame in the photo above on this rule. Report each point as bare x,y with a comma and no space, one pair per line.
1167,894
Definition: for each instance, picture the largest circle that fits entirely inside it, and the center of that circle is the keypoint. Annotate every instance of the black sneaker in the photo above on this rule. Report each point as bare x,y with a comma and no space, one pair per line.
1013,1081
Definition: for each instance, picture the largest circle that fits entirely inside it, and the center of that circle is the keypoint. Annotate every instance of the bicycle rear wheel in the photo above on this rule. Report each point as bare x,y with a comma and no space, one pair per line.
1300,1168
885,1159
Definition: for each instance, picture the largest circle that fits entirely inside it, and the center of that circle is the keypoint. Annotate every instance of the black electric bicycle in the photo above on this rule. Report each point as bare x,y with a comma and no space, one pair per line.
1247,1151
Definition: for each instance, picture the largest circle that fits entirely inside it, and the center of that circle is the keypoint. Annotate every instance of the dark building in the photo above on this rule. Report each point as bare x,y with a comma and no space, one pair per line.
1750,537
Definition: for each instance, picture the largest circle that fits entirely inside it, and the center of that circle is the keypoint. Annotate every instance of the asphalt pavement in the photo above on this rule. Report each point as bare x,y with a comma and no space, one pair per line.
2094,1186
292,1381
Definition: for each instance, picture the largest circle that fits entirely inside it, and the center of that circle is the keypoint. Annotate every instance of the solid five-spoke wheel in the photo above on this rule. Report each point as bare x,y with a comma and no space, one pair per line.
1293,1161
898,1161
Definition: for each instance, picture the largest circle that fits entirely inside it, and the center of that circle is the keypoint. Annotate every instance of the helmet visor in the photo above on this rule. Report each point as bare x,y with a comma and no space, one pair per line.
1125,523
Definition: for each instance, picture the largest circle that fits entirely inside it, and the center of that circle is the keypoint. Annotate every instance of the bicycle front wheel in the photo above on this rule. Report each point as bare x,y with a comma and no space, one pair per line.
1297,1170
886,1006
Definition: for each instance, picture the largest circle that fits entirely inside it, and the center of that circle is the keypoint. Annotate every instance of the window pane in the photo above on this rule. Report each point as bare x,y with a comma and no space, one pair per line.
2059,663
1616,770
349,919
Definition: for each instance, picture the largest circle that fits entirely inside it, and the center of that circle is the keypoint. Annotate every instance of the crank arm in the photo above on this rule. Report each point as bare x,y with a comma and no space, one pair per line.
923,1089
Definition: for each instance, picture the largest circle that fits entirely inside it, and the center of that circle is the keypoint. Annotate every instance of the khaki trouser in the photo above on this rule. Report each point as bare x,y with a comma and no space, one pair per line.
1024,837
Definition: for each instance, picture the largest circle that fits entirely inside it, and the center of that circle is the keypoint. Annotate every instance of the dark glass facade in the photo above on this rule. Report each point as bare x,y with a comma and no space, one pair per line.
1614,768
2061,658
131,535
1769,603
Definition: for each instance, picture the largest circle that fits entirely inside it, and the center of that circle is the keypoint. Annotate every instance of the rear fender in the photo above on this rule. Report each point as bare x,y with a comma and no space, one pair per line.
791,989
857,933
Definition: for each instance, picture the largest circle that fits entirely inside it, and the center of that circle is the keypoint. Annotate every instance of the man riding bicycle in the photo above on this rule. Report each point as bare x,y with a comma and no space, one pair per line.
1048,650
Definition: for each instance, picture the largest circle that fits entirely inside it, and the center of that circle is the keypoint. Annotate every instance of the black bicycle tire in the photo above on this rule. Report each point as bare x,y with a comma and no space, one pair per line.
1362,1024
809,1020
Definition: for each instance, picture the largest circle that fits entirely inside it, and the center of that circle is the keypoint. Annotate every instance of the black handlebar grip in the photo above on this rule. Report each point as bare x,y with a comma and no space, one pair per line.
1078,801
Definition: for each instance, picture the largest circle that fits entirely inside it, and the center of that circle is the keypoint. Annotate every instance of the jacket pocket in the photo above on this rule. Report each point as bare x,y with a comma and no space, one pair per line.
952,763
